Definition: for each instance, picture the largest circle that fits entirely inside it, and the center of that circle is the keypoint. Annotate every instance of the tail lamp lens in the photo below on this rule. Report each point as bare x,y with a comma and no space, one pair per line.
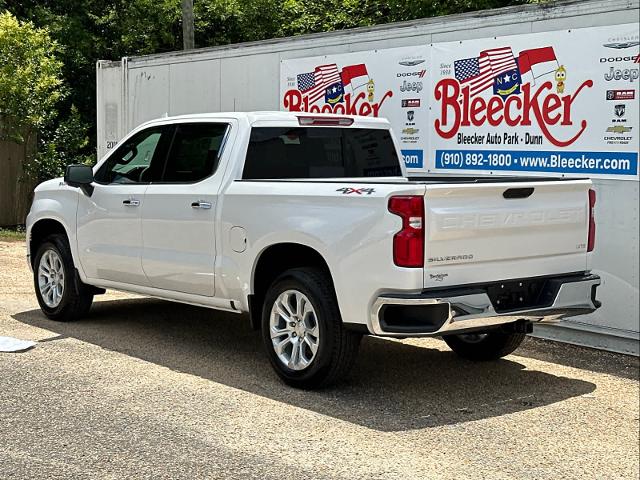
408,243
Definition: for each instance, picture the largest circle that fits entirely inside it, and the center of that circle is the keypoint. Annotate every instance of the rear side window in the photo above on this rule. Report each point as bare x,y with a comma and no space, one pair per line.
195,152
320,152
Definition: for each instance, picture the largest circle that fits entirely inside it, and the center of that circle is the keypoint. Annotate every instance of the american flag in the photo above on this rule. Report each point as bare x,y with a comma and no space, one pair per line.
315,83
479,72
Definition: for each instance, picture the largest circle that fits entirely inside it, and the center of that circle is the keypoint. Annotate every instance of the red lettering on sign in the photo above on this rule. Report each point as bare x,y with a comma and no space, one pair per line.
294,101
458,109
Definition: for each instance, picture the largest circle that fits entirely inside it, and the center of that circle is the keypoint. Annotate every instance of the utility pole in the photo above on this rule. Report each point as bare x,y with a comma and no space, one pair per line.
188,41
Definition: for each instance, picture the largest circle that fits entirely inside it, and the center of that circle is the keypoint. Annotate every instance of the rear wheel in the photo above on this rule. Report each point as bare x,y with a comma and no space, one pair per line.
484,345
61,294
302,330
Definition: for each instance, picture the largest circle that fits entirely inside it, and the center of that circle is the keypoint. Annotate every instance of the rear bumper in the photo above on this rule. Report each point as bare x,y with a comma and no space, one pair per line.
461,309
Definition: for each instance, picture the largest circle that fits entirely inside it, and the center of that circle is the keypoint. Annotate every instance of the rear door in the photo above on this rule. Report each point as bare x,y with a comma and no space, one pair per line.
481,232
178,217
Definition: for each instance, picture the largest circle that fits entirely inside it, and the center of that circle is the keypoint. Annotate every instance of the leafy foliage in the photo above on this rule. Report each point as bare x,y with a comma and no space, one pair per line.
30,77
63,145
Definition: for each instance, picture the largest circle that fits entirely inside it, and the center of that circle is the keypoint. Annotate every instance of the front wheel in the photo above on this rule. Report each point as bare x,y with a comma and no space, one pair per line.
484,346
302,330
61,294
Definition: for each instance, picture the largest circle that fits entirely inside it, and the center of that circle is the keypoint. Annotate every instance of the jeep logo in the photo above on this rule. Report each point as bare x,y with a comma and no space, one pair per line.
630,74
411,86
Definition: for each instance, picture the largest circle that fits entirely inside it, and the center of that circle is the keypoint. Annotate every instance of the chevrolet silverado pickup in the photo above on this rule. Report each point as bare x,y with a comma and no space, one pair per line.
308,224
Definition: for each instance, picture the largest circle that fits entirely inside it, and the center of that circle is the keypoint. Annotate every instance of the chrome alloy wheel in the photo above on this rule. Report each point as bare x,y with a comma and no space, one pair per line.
294,329
51,278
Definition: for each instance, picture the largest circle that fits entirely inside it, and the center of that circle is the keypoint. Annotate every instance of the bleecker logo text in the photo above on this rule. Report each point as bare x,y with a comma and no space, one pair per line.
543,107
294,101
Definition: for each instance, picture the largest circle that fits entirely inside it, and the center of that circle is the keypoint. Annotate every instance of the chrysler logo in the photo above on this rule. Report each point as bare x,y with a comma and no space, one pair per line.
621,45
410,63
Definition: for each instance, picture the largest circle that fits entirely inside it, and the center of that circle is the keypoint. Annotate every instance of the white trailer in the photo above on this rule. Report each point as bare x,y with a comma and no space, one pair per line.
254,76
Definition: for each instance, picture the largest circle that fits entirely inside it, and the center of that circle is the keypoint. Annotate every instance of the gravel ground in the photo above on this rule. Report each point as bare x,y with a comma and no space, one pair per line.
149,389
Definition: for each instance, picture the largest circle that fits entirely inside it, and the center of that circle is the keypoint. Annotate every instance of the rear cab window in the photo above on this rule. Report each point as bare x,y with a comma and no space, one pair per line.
320,152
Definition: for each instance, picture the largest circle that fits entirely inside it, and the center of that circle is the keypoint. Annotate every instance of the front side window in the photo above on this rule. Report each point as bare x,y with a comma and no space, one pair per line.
320,152
131,162
195,152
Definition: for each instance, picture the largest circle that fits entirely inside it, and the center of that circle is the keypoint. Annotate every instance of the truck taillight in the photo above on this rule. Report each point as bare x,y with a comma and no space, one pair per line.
326,121
408,243
591,242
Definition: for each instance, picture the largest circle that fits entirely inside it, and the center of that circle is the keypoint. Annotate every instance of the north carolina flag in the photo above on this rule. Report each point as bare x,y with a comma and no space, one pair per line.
355,75
537,62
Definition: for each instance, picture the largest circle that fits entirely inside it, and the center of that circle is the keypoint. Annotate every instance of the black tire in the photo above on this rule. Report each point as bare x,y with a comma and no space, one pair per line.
337,347
491,346
76,297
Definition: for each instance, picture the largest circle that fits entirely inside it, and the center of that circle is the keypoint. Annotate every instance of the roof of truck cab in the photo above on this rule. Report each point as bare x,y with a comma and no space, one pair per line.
269,116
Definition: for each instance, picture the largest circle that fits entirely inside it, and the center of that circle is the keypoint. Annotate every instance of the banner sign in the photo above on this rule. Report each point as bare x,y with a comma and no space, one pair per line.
552,103
563,102
390,83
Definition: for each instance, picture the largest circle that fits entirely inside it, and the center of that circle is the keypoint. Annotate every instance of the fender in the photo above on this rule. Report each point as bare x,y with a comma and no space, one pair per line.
297,238
61,207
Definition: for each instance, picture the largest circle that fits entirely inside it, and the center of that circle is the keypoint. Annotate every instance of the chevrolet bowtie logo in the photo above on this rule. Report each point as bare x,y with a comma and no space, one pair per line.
618,129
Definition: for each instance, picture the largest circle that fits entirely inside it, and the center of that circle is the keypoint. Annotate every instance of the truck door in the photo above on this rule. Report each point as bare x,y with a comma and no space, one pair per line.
109,231
178,216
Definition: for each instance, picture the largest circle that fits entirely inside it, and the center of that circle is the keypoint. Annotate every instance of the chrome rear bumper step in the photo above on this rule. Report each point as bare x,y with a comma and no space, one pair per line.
462,309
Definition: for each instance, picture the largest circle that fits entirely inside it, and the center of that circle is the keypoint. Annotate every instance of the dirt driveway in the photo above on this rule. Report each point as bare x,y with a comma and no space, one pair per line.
149,389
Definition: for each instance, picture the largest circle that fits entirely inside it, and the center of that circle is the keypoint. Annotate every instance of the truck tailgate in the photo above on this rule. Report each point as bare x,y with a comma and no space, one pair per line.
496,231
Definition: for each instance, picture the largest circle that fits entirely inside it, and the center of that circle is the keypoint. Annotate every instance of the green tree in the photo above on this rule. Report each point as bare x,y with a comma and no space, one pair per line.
312,16
220,22
63,145
30,78
89,30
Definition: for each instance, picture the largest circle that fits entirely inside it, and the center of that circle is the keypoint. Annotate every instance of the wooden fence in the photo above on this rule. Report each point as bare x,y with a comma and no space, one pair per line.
15,191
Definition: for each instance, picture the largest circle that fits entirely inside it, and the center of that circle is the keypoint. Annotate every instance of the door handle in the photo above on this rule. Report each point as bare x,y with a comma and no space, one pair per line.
202,205
131,202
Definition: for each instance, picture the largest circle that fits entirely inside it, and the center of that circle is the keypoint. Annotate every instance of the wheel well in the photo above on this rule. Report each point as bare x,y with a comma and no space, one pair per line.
275,260
41,230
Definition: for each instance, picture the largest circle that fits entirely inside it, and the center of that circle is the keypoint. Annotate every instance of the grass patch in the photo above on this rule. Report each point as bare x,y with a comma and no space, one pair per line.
12,234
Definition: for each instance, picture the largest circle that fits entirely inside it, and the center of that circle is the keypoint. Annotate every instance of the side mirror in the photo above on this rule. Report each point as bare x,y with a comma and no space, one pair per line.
79,176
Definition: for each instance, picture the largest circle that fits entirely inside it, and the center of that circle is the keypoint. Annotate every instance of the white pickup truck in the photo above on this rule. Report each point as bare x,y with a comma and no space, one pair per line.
308,224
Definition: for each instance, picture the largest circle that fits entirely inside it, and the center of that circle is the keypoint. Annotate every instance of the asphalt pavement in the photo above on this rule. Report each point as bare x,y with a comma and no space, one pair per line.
144,388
